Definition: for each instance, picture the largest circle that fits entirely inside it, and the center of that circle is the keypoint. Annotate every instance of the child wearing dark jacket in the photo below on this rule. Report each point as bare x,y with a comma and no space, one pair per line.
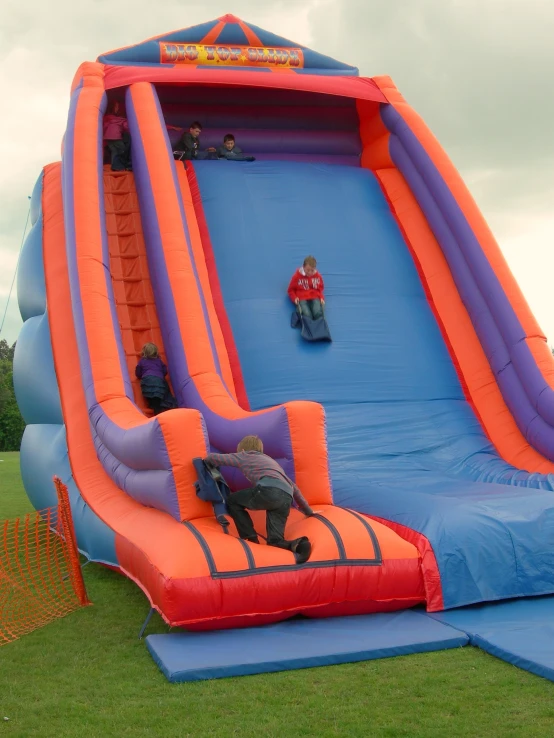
152,373
306,289
229,150
271,490
188,146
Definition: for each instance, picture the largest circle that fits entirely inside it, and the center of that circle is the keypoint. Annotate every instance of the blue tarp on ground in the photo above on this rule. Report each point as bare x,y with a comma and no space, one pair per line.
520,632
298,644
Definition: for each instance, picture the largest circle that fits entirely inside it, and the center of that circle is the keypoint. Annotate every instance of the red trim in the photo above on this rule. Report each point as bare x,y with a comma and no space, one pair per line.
359,88
333,610
429,296
217,295
203,603
429,566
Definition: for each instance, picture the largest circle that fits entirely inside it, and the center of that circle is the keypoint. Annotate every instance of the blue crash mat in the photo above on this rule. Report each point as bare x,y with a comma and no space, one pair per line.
298,644
520,632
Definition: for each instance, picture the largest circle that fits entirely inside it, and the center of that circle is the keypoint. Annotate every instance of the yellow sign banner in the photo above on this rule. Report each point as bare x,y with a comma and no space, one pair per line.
230,56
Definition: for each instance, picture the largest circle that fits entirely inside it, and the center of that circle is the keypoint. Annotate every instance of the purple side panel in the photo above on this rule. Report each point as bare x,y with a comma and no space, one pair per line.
256,116
142,449
154,487
68,159
266,121
249,102
272,426
141,175
495,322
106,255
483,274
156,264
70,240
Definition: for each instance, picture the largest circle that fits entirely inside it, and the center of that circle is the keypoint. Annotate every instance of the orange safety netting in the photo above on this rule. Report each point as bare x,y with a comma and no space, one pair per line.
40,573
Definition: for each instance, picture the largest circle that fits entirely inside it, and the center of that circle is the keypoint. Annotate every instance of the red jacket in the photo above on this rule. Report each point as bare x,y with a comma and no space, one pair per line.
302,287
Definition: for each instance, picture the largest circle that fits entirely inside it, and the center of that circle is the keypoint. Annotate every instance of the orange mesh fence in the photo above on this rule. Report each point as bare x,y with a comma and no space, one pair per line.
40,573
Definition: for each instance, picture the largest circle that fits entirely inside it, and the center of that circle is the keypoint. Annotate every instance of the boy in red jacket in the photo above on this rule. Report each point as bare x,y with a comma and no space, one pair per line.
306,289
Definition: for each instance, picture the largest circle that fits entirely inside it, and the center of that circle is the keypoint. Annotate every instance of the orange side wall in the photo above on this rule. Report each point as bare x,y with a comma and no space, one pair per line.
535,337
155,534
466,350
101,337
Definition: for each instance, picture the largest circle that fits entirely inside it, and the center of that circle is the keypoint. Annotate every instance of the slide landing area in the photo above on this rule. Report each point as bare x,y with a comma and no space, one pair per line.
404,444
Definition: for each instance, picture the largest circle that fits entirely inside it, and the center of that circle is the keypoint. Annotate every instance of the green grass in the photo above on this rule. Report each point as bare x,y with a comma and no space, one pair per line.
88,676
13,500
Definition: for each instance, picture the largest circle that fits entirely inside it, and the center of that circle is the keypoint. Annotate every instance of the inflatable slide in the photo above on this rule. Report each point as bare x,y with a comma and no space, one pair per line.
423,434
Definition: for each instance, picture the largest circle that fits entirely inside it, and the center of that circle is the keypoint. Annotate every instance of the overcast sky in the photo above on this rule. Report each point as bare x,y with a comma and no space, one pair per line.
480,72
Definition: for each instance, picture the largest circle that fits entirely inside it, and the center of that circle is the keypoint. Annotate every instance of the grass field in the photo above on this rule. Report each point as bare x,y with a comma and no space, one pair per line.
88,676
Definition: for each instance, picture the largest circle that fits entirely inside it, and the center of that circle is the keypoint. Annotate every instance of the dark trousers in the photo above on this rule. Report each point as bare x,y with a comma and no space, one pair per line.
277,503
155,404
120,154
157,394
312,308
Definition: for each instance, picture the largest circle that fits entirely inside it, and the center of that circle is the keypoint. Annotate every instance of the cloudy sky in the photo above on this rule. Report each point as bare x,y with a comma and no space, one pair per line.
480,72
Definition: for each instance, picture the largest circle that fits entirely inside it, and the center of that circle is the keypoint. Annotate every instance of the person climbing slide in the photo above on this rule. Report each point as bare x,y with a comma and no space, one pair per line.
272,491
152,373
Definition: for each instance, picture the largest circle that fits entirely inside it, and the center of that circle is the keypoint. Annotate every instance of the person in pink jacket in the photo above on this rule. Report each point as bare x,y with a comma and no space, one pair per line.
117,139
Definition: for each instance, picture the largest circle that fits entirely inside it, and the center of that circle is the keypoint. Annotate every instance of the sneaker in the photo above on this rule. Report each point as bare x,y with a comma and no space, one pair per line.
302,549
254,539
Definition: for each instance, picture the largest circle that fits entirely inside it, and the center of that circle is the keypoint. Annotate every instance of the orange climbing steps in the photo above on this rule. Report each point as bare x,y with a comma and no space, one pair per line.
134,299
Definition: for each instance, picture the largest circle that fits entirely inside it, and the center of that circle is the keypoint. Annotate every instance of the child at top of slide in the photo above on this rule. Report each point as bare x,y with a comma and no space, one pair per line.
188,146
117,138
229,150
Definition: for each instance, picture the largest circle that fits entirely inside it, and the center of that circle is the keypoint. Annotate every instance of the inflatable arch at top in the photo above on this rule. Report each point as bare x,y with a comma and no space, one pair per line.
424,434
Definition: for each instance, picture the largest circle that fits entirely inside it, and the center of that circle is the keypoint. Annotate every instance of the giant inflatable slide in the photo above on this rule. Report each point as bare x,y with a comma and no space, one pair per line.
423,434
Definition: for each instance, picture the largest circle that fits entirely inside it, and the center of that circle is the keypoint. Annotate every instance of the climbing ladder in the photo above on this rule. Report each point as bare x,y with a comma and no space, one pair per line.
134,299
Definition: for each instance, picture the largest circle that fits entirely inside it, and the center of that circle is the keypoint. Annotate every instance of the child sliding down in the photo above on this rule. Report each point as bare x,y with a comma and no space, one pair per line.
306,289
